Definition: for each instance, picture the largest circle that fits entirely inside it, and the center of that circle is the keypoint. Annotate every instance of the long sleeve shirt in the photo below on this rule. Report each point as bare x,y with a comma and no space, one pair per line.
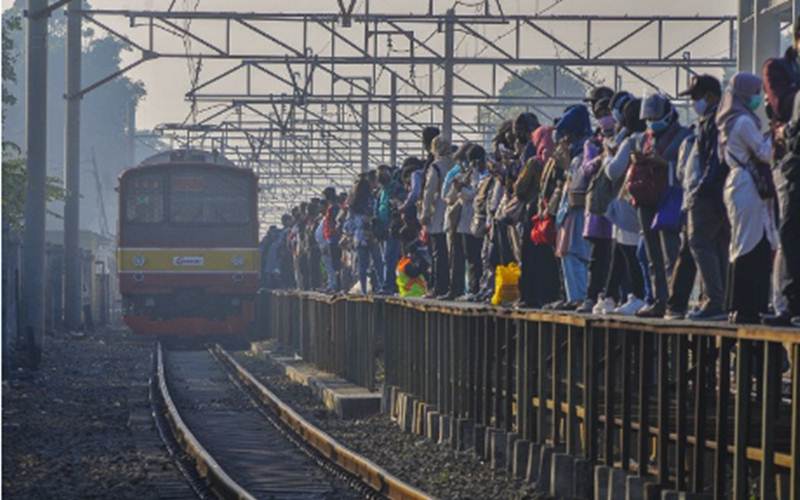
750,216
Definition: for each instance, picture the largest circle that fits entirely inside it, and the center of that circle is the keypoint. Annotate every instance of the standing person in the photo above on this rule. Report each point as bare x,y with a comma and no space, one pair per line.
357,226
625,262
451,194
596,227
655,157
331,258
573,129
707,222
466,248
432,214
389,195
781,85
749,197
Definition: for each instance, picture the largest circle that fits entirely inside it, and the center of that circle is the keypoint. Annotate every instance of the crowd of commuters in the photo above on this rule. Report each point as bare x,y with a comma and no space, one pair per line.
615,208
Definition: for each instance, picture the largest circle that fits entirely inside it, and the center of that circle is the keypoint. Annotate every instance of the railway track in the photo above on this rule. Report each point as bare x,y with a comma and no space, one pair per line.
238,440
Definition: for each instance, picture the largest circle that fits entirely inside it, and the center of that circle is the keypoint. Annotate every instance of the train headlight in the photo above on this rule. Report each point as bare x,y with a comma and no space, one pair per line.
237,260
138,260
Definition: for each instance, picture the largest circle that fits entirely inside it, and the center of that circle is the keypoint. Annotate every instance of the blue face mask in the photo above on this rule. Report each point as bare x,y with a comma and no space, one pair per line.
658,126
755,102
700,107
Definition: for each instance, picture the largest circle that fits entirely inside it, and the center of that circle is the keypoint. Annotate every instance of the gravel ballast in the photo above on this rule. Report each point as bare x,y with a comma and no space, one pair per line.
79,427
437,470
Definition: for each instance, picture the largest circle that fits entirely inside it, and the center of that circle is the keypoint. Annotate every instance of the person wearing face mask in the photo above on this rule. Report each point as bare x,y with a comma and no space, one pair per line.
625,272
653,160
707,227
781,84
596,228
749,198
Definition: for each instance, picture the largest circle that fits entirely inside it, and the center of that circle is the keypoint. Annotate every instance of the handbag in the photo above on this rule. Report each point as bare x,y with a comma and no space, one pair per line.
668,216
543,231
599,193
761,173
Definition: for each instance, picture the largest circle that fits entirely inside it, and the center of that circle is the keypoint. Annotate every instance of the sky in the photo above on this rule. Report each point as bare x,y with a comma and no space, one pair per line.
167,80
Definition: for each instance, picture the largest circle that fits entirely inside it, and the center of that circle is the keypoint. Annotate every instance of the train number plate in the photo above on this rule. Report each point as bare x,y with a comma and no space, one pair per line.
188,260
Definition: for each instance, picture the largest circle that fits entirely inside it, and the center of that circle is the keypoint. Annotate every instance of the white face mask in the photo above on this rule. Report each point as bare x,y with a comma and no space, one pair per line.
700,107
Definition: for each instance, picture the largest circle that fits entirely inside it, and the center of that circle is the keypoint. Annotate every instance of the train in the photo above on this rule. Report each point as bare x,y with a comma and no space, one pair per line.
187,252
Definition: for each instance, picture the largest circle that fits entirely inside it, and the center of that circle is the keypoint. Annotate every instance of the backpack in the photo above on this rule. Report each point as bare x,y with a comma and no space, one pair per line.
329,230
647,177
601,192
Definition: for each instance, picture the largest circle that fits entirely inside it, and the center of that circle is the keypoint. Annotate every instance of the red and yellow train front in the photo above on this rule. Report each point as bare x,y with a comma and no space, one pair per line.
188,252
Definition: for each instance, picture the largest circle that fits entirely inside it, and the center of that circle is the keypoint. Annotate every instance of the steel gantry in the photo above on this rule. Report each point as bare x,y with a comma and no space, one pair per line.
305,116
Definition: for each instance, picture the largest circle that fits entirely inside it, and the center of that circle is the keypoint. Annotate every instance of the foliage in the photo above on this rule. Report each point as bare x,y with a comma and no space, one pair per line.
14,180
104,111
526,84
11,24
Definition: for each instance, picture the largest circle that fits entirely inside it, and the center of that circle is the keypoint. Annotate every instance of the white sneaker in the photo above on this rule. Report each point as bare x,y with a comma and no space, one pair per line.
604,305
630,307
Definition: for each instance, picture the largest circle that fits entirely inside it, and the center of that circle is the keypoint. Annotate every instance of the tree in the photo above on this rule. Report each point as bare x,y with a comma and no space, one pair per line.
523,86
103,111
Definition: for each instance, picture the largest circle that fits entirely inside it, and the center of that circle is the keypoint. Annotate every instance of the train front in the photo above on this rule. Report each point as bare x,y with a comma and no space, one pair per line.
188,252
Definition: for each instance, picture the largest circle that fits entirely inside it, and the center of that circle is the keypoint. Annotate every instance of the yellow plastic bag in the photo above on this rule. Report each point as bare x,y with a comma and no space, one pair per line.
506,284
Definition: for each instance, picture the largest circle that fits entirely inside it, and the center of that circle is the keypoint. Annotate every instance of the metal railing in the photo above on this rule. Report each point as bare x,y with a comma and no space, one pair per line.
335,333
584,385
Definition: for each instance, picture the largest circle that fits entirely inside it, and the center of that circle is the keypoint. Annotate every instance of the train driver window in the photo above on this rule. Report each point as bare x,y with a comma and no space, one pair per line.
145,199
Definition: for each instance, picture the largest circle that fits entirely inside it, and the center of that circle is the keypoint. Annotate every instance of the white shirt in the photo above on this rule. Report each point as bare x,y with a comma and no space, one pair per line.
750,216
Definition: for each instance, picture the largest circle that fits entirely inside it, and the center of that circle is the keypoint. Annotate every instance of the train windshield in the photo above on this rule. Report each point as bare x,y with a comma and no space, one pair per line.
209,198
145,200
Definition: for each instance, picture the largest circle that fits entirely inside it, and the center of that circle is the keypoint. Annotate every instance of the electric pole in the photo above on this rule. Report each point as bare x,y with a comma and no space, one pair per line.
449,49
72,171
33,257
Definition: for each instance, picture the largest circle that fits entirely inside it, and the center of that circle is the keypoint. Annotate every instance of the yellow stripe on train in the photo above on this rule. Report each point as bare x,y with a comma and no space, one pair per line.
188,259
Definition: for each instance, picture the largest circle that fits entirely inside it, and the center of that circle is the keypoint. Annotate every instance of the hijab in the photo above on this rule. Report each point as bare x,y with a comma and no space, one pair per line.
742,86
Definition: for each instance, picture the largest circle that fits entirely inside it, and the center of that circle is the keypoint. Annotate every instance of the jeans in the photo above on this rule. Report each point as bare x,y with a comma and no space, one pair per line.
330,270
575,262
683,275
599,264
365,254
440,274
790,242
391,255
709,237
662,251
625,273
644,266
472,250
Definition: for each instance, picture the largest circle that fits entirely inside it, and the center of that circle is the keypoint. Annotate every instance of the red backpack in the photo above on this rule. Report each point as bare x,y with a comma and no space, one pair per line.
646,179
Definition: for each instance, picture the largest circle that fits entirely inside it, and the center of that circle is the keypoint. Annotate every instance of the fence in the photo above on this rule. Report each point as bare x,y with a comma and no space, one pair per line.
718,404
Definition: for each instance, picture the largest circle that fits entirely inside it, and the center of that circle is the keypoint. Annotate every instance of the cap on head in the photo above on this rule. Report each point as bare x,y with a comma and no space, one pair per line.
655,107
701,85
476,153
598,93
428,133
601,107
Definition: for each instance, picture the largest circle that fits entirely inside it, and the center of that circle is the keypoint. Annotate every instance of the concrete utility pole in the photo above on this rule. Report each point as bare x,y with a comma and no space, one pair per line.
364,137
449,49
33,260
72,171
393,124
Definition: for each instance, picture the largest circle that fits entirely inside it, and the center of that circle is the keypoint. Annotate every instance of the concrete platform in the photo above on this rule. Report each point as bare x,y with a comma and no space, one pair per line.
347,400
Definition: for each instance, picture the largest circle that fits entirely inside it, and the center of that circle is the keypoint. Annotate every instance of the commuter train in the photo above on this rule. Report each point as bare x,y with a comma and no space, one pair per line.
187,255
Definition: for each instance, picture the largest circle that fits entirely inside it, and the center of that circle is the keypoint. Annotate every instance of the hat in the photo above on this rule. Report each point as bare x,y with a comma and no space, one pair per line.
700,85
601,106
476,153
598,93
575,121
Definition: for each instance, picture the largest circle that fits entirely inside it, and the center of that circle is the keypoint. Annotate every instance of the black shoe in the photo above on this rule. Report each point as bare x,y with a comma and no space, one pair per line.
674,314
782,319
557,305
655,310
